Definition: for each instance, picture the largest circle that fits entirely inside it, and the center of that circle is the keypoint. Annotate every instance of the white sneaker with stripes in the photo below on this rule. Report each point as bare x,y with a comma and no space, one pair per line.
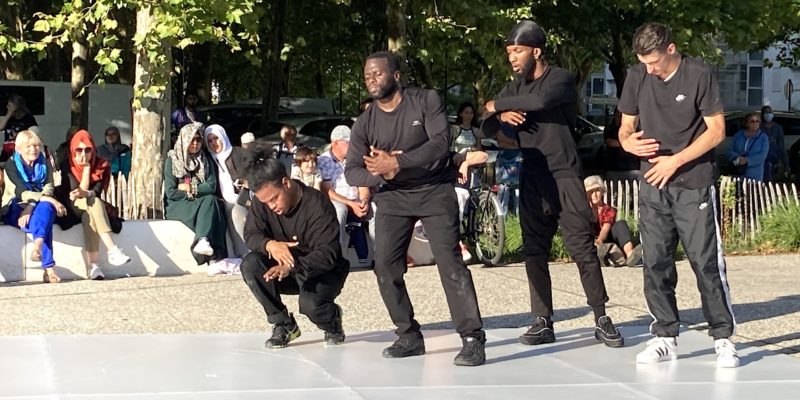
727,357
658,349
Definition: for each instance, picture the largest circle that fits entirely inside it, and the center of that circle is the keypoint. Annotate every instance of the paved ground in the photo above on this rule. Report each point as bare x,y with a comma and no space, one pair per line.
765,289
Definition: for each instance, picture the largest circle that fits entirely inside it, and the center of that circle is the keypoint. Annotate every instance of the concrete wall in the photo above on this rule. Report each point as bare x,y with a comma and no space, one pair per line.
108,105
156,248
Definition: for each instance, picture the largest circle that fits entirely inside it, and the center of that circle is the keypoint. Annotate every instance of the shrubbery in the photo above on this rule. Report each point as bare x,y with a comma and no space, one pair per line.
780,229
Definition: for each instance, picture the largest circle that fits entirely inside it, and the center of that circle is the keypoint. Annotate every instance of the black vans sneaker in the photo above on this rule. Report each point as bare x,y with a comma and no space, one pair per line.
406,346
335,336
282,334
472,353
607,333
540,332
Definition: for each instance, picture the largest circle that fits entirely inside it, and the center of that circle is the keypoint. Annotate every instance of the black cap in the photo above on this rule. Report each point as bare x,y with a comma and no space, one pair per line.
526,33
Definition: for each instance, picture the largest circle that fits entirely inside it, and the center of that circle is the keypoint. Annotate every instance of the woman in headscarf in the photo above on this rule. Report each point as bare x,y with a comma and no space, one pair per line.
229,164
28,202
84,176
118,154
190,189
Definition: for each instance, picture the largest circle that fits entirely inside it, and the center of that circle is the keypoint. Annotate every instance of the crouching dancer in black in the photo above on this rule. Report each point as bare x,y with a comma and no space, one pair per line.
293,234
401,144
540,105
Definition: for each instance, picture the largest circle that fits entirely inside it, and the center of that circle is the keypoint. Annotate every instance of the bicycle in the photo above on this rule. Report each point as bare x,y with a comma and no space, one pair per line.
483,225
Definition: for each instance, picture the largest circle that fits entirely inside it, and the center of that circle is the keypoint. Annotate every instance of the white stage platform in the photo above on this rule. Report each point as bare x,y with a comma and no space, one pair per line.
236,366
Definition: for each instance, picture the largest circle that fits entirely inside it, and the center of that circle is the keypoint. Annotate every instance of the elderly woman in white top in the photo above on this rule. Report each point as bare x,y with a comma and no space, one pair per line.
229,163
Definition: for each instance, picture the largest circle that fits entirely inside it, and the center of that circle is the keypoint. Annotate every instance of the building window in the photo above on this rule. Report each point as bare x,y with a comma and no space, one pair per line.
755,83
598,87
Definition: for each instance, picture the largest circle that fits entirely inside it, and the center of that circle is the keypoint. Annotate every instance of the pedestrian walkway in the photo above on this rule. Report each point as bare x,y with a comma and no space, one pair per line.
236,366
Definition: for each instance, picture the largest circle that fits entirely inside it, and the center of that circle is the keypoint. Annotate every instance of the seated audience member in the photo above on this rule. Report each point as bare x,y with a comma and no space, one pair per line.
18,118
230,163
610,234
62,151
284,151
462,162
84,176
247,140
190,187
305,168
346,199
116,153
293,236
28,202
620,164
462,132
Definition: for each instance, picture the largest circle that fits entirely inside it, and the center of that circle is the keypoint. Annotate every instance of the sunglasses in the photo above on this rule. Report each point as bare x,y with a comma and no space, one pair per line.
84,150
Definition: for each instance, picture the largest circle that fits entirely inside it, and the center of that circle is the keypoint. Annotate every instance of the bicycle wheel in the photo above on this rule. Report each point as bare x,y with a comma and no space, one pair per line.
491,229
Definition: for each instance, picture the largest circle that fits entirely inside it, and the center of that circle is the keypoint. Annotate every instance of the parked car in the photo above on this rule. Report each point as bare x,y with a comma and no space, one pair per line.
235,118
312,131
590,145
734,123
301,105
245,116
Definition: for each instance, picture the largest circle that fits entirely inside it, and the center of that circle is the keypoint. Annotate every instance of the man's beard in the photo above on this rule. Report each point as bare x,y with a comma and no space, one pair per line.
525,72
385,91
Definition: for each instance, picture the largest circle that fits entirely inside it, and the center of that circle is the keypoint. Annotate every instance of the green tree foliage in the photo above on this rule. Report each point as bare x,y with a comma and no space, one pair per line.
178,23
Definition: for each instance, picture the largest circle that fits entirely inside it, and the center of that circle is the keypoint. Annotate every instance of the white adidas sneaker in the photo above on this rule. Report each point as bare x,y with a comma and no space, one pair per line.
658,349
727,357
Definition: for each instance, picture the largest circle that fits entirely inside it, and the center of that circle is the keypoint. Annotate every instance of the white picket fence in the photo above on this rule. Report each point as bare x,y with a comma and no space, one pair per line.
740,212
122,193
751,200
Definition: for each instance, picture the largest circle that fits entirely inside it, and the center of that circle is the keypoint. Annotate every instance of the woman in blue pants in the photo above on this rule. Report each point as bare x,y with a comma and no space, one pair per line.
28,201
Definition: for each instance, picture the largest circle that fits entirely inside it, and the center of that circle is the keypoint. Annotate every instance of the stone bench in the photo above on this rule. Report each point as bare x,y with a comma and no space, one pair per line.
156,248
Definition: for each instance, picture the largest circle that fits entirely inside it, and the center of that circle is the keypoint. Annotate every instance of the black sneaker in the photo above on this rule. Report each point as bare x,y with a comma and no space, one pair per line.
405,346
336,335
540,332
472,353
282,334
607,333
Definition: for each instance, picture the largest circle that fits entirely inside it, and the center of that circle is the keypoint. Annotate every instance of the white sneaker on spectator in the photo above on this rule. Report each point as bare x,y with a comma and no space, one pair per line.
465,254
203,247
117,257
218,267
658,349
95,273
727,357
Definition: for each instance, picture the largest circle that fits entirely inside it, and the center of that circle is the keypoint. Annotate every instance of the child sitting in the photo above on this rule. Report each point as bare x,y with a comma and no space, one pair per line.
305,169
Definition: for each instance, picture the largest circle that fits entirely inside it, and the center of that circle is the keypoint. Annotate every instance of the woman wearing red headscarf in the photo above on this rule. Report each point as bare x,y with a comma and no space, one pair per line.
84,176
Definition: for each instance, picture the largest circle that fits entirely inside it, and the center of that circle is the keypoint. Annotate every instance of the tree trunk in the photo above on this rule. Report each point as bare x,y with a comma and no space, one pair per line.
319,82
127,28
617,65
11,65
198,71
150,128
396,26
79,107
273,66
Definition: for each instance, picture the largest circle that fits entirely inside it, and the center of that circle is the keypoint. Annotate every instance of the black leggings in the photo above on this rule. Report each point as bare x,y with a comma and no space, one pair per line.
620,234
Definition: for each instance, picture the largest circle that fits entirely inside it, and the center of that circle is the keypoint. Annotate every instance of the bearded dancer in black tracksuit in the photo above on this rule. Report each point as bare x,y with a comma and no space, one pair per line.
415,185
677,102
540,105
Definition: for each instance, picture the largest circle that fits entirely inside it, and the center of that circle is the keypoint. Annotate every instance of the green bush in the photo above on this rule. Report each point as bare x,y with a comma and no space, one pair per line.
780,229
513,251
